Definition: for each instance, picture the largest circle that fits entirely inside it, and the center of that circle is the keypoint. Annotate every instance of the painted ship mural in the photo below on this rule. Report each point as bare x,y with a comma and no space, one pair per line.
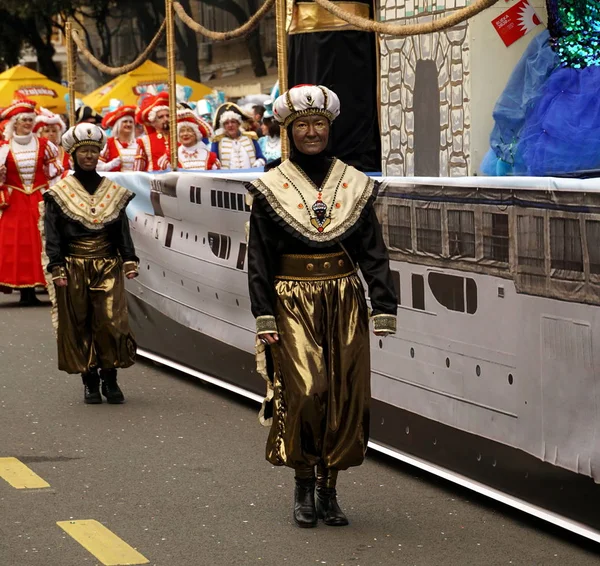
492,377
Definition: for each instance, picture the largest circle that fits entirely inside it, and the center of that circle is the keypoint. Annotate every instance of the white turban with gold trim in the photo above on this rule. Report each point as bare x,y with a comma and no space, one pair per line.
306,100
83,134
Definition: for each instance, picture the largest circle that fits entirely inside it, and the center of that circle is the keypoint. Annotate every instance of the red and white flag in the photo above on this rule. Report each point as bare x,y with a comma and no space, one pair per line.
516,22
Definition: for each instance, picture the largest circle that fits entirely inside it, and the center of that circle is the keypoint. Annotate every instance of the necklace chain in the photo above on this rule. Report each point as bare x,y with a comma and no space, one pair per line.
320,192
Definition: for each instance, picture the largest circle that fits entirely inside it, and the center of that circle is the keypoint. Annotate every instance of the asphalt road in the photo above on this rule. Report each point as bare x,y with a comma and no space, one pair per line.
178,472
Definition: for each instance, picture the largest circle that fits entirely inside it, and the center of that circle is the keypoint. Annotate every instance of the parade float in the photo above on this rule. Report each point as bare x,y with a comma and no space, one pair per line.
491,381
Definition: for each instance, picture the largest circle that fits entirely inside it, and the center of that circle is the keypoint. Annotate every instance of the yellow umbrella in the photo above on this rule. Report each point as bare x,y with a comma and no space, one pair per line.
30,84
130,86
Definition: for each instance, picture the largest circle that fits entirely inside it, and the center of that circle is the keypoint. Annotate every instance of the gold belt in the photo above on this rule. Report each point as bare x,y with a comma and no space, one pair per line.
92,246
319,267
310,17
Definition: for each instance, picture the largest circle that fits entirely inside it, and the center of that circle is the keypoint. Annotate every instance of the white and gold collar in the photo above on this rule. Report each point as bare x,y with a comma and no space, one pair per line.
321,215
93,211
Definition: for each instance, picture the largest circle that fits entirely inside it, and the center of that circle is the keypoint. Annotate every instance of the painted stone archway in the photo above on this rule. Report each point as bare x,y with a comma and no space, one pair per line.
449,51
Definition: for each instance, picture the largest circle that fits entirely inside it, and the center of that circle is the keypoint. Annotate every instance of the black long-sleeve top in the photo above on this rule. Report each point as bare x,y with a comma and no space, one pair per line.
60,229
269,239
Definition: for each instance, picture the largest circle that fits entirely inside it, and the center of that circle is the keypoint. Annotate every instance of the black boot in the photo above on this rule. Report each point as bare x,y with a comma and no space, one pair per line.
327,505
91,388
305,514
28,298
328,508
110,388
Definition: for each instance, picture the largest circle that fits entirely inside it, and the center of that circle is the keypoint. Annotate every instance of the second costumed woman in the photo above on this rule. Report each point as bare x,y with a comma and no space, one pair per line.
312,227
90,251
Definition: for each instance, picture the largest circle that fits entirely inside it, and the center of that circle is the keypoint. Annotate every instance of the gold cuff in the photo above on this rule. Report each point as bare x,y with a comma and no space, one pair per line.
130,267
59,272
266,325
384,323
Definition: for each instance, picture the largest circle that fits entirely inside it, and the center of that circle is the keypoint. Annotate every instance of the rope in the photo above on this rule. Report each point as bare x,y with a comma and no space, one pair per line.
124,68
223,36
402,30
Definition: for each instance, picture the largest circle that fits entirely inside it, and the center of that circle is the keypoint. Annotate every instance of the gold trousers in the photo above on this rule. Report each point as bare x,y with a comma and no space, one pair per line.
321,371
93,327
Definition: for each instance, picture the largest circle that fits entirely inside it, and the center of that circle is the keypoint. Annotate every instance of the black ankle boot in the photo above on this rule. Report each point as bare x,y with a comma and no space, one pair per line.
110,388
328,508
28,298
91,388
305,514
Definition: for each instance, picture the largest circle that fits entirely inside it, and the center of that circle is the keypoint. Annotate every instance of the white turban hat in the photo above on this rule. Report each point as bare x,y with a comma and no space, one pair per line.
306,100
83,134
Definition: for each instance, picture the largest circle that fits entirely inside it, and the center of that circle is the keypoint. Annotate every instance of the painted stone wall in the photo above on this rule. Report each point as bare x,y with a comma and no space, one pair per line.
400,60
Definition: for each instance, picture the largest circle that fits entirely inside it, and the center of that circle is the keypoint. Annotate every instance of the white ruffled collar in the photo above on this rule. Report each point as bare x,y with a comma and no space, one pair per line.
23,140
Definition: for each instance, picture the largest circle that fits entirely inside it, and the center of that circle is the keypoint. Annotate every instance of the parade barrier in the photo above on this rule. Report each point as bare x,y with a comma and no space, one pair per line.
491,377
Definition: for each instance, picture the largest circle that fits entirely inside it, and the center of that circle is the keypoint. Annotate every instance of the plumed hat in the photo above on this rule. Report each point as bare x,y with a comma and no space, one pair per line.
48,118
83,134
84,113
19,108
152,105
229,111
111,118
187,117
306,100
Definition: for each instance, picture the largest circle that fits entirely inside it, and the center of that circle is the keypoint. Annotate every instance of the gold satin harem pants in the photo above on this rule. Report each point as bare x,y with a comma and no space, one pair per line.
321,366
93,326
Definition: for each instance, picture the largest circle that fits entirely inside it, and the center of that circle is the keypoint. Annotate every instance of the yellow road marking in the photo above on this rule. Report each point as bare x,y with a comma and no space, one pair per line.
107,547
19,475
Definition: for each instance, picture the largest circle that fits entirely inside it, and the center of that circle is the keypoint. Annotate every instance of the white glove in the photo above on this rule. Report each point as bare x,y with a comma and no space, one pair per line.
110,165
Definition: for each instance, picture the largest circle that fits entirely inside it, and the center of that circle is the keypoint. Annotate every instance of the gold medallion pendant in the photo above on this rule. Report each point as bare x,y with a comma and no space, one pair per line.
320,221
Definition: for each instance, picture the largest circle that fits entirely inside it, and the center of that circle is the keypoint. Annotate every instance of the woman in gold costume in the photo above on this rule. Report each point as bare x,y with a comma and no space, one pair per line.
312,227
89,248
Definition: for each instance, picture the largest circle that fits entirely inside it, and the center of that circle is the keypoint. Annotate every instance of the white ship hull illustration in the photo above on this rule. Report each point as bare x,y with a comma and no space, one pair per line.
493,374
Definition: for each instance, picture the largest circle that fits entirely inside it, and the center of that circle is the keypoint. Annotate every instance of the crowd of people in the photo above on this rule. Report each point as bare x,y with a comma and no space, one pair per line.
32,160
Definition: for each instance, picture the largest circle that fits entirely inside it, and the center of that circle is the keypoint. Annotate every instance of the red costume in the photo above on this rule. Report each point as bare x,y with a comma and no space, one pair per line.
152,152
152,149
30,163
118,155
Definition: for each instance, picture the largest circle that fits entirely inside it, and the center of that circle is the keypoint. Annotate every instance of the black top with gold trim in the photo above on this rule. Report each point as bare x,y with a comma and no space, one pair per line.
291,215
72,213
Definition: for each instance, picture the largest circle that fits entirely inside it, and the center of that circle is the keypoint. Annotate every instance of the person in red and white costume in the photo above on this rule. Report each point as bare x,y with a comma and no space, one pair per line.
31,165
121,149
52,127
192,152
153,148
